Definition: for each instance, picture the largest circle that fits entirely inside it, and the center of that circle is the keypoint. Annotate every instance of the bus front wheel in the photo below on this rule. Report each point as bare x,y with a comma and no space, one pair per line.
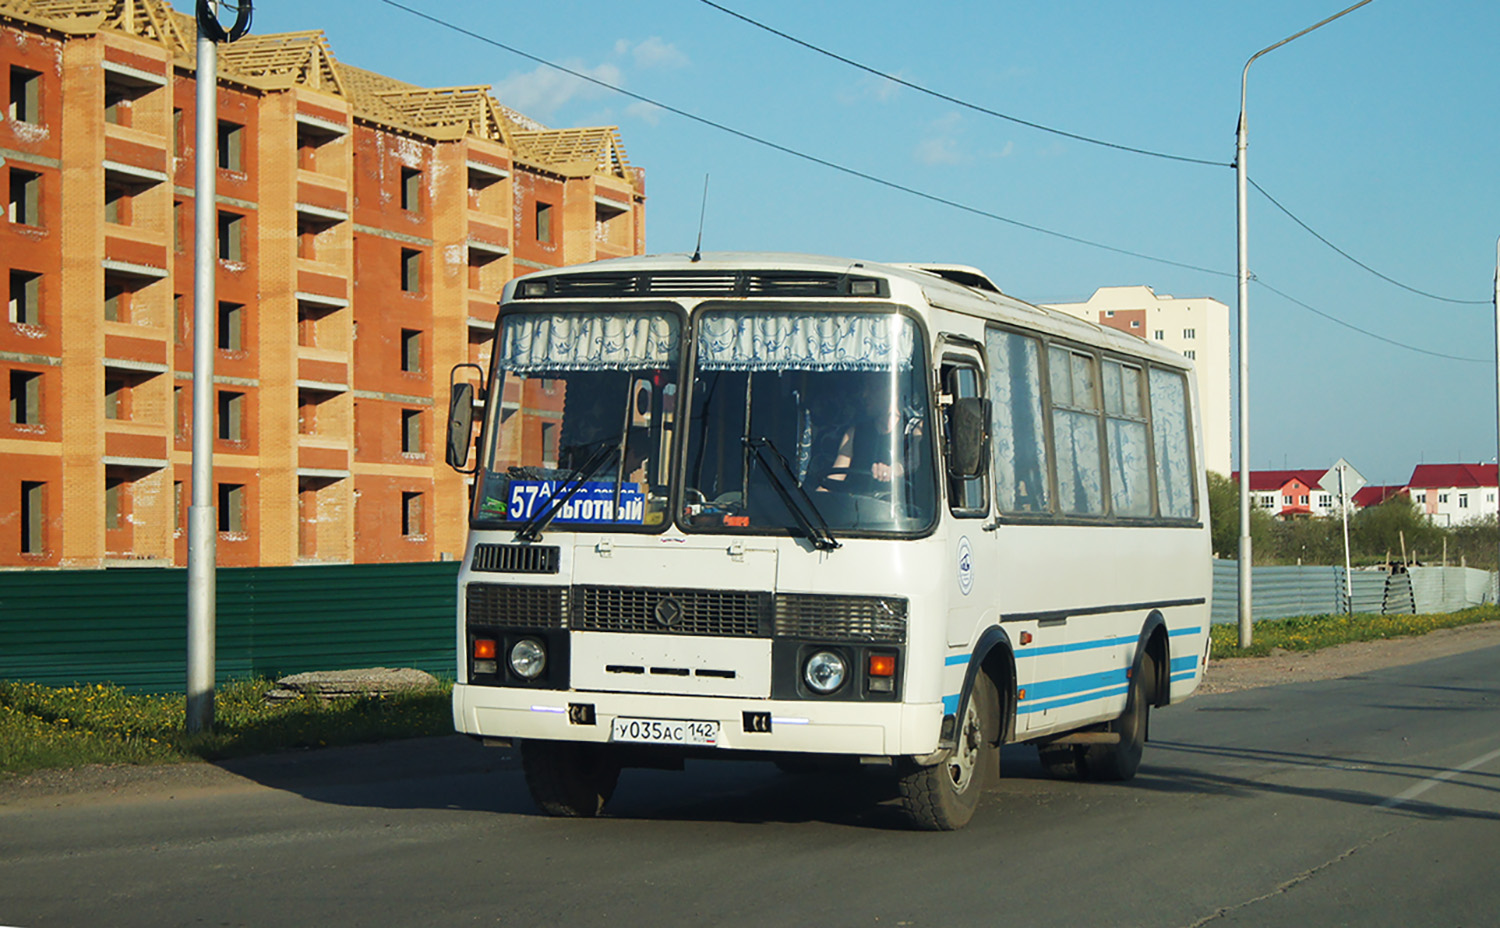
943,796
567,778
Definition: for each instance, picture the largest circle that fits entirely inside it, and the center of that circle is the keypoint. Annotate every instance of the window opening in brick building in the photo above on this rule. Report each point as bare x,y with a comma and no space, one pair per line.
116,398
411,431
25,95
411,350
116,501
25,397
231,507
181,413
231,415
177,237
116,300
231,237
33,516
411,514
544,222
116,204
179,511
116,105
411,270
411,190
25,197
231,146
307,240
307,413
231,326
25,297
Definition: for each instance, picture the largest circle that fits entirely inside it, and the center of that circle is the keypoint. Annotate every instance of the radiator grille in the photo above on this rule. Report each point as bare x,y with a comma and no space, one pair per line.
517,606
516,559
841,618
729,613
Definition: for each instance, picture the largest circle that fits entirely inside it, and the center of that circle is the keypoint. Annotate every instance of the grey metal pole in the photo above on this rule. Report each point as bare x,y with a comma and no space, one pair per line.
1243,339
203,525
1348,567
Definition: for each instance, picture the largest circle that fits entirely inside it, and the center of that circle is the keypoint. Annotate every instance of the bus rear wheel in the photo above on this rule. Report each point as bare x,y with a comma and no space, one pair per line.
943,796
568,778
1120,761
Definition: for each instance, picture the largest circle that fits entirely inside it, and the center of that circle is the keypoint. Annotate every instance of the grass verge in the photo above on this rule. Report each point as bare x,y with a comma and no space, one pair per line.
43,727
1309,633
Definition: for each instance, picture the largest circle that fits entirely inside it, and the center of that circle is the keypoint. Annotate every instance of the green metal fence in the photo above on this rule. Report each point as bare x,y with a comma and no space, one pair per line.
129,626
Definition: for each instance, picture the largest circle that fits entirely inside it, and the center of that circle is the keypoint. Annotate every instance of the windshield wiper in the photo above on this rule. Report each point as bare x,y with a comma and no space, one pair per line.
800,505
577,478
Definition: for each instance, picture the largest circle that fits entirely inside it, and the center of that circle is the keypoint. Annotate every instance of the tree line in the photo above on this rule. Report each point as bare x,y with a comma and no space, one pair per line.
1383,534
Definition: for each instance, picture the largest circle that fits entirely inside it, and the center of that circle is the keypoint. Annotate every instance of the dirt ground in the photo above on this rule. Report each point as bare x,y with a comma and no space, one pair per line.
90,785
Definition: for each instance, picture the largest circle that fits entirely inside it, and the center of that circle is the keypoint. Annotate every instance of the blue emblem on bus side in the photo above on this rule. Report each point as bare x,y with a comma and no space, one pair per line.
965,565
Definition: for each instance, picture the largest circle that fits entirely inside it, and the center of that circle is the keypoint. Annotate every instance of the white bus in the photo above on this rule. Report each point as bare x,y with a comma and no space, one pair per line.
805,509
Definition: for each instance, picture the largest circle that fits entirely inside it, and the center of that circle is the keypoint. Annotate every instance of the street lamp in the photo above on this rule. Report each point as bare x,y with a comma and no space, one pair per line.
1243,340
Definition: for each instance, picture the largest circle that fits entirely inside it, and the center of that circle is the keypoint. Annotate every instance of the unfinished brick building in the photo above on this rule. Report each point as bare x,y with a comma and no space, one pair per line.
365,228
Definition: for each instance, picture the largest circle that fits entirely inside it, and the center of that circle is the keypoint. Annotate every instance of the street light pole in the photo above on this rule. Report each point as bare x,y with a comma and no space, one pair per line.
1243,339
203,525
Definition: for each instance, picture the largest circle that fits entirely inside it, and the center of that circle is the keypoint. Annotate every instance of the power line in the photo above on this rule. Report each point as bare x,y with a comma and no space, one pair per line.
1082,138
814,159
1387,279
1389,341
955,100
892,185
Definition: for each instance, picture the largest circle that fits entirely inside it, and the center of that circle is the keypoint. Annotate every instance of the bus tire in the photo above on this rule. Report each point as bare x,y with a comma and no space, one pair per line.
568,778
1120,761
943,796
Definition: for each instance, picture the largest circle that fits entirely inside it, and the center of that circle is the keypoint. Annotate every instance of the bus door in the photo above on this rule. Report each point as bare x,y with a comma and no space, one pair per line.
972,547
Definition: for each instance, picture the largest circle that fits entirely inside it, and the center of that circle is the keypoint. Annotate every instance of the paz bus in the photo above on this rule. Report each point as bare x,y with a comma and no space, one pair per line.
822,511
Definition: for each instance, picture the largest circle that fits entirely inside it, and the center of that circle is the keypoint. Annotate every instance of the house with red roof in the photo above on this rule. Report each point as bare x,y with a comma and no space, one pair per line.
1454,494
1374,496
1290,494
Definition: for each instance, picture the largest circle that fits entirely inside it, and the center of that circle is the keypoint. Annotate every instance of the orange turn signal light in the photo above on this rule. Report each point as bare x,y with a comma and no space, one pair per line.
882,665
484,649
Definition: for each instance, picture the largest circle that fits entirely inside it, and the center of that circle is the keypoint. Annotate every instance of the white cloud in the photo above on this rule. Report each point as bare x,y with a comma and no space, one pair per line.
541,92
878,89
648,113
941,146
653,53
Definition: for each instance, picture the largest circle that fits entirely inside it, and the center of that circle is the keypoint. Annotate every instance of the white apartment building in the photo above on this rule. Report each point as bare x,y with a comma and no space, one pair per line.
1198,327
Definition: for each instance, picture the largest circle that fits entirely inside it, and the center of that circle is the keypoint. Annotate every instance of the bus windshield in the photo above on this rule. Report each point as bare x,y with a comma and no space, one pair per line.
581,424
810,422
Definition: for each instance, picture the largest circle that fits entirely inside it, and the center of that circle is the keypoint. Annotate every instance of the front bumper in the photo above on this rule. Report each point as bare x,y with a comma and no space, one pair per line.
806,726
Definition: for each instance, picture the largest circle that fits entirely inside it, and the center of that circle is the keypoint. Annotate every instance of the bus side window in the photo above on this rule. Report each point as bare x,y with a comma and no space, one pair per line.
1018,432
966,495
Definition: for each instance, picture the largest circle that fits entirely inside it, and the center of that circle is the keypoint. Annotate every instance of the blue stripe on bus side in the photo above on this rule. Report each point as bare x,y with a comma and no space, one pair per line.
1047,689
1184,663
950,704
1075,646
1072,700
1185,631
954,660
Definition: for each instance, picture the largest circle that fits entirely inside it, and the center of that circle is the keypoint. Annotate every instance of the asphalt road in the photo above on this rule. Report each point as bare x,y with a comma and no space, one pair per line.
1365,801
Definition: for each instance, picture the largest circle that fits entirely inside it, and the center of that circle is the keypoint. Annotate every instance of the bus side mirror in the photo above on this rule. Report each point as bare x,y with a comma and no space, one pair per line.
968,436
460,425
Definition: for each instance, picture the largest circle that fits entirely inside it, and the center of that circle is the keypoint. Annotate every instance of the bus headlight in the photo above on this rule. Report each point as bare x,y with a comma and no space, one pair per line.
528,658
824,672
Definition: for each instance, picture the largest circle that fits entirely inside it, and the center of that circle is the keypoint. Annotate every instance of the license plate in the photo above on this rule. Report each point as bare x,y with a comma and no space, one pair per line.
665,731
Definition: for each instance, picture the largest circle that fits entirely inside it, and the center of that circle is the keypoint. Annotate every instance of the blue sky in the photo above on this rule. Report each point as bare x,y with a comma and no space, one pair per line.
1379,131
